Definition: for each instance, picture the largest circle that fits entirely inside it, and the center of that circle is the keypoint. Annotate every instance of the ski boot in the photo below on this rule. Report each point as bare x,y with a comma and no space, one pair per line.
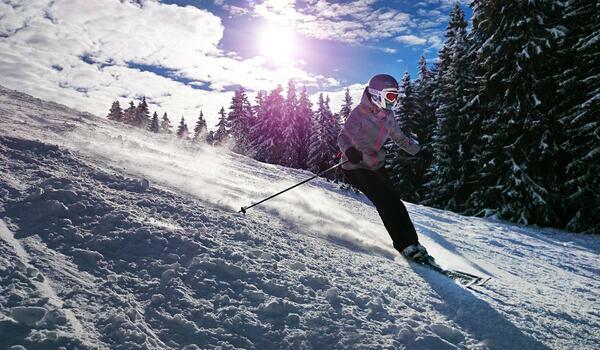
418,254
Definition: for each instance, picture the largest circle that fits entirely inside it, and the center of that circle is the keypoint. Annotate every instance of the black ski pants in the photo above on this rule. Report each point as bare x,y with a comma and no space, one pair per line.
377,186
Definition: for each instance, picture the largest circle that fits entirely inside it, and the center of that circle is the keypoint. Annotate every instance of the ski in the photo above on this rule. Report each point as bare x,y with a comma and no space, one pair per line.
465,279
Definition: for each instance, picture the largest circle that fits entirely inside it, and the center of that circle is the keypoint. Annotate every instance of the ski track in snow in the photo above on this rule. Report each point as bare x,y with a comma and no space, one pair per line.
116,239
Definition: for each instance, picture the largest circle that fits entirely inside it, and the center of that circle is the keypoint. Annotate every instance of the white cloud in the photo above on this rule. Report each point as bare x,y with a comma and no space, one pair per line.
387,50
337,96
44,34
435,41
351,22
445,3
110,34
411,40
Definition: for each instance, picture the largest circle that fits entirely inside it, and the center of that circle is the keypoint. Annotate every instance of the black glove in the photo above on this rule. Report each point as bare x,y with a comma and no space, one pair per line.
354,155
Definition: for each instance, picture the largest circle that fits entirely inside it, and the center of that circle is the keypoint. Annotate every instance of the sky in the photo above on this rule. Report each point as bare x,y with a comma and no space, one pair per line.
190,55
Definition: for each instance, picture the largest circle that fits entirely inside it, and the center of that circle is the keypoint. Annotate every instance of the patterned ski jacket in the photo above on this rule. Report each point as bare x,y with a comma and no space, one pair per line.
367,129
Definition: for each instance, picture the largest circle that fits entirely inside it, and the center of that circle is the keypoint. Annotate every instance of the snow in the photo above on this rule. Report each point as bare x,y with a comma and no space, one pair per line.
119,239
536,100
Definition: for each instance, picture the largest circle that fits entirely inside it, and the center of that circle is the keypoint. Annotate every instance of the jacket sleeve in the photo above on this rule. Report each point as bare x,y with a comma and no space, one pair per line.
349,131
407,144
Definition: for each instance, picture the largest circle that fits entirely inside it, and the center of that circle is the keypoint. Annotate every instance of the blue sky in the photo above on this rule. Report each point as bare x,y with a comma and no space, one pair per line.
351,61
188,55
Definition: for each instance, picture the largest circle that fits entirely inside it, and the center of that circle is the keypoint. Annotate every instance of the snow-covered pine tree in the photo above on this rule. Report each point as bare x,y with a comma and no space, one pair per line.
315,145
425,123
116,113
222,134
469,119
520,157
259,103
129,114
154,124
446,172
182,129
141,115
579,107
424,87
200,129
346,107
323,141
290,127
336,127
165,124
304,119
241,120
333,128
405,170
473,110
259,127
267,145
210,138
276,112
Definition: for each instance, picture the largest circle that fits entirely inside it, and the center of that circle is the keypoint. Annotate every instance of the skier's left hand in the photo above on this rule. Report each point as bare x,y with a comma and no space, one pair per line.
354,155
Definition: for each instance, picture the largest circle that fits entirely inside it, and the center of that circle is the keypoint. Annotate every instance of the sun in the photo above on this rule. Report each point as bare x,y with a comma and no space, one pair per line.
278,44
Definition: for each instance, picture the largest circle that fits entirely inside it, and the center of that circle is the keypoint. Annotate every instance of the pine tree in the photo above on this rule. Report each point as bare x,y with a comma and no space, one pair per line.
446,172
333,129
578,106
129,114
267,144
259,128
304,119
241,120
182,129
141,115
154,124
519,153
165,124
346,107
200,129
222,134
259,103
210,138
116,113
473,110
323,141
406,171
291,127
424,87
423,91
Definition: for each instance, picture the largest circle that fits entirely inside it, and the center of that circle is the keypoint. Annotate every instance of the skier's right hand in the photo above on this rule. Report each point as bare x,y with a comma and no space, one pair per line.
354,155
411,147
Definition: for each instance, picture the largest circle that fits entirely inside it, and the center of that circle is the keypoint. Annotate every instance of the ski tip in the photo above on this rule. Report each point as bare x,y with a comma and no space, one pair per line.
479,281
484,280
471,283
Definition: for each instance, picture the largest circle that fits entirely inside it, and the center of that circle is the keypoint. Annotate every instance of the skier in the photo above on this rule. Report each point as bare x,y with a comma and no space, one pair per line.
361,139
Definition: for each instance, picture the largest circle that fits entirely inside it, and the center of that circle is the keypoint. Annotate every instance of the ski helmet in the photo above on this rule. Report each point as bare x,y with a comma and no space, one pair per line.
383,90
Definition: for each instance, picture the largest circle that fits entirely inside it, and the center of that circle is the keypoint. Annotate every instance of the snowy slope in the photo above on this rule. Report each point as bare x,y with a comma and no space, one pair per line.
117,239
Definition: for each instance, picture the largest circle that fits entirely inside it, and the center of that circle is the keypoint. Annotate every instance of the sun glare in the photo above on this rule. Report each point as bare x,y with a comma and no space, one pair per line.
278,44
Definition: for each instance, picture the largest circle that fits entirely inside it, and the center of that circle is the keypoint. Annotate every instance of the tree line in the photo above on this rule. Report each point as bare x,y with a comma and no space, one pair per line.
508,117
139,116
275,129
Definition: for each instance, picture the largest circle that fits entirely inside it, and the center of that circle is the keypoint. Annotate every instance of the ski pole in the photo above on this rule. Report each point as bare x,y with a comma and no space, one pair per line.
243,210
